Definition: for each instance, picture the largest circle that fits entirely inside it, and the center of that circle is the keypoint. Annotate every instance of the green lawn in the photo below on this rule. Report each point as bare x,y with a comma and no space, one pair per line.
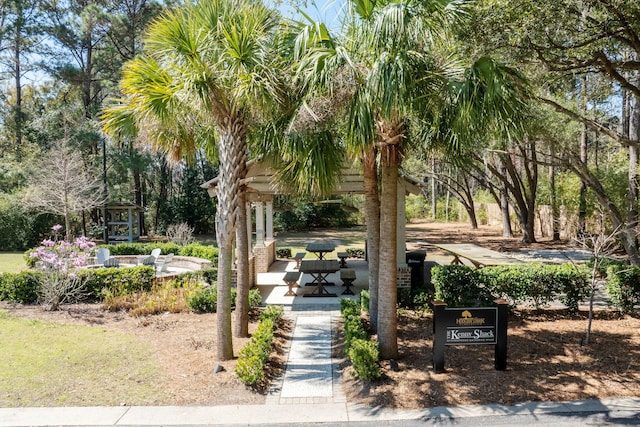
12,262
343,238
48,364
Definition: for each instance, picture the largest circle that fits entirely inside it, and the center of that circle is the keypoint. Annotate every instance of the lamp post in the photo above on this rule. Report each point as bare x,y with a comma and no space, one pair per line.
105,190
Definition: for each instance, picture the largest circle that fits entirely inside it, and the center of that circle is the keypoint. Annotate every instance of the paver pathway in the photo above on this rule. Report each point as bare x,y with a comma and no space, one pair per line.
310,375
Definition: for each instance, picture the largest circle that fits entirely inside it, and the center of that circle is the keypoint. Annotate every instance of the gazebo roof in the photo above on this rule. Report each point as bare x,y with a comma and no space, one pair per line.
123,206
260,180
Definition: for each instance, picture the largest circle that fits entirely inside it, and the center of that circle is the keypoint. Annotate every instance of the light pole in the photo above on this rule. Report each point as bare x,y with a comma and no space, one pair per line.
105,190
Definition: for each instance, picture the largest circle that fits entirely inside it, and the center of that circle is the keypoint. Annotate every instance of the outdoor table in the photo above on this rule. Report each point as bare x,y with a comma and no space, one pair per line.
319,270
320,248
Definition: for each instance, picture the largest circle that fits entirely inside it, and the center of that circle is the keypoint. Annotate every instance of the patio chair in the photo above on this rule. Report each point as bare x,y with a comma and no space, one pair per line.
151,259
163,263
104,258
102,254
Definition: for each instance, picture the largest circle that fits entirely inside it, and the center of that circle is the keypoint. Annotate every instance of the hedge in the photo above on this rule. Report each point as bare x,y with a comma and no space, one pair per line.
362,352
101,282
206,299
623,285
253,357
536,284
23,287
20,287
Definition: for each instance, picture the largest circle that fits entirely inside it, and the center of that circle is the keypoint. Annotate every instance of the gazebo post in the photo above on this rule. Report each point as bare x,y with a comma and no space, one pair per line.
401,228
249,226
269,206
259,224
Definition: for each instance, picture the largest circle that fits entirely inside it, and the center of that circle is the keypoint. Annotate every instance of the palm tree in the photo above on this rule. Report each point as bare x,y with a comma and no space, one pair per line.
207,75
388,52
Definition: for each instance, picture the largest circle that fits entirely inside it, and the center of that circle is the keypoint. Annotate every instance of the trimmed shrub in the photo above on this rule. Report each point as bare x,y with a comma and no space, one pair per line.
20,287
459,286
364,358
253,357
210,275
255,299
273,312
364,300
200,251
605,263
283,253
349,307
353,330
355,252
110,282
205,300
623,285
536,284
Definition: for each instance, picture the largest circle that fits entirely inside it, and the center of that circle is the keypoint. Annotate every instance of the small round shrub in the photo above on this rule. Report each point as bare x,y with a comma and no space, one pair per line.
364,359
205,300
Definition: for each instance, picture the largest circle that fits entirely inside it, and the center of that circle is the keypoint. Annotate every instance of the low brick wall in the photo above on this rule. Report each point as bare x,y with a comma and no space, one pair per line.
188,262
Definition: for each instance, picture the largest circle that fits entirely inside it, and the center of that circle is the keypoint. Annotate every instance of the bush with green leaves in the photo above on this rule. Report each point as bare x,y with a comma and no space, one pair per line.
349,307
254,356
459,286
200,251
365,297
364,356
127,248
535,284
283,253
273,312
353,327
210,275
103,282
355,252
20,287
362,352
605,262
206,299
623,285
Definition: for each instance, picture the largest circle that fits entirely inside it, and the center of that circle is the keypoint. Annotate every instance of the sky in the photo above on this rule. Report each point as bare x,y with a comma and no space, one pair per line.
327,11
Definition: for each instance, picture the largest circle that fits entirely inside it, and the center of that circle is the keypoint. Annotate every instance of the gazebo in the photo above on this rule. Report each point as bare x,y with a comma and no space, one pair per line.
123,222
260,189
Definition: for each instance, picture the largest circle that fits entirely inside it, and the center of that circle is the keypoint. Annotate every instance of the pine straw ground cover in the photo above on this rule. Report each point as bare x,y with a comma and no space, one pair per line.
546,362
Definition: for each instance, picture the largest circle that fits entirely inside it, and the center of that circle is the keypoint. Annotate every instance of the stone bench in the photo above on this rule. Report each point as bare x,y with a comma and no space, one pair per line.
291,279
298,257
343,259
348,276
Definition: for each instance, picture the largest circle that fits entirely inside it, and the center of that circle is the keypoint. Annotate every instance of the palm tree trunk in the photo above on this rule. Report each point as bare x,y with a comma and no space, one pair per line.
372,218
241,324
232,156
390,137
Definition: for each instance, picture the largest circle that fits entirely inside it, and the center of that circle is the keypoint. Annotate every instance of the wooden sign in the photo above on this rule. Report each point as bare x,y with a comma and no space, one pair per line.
469,326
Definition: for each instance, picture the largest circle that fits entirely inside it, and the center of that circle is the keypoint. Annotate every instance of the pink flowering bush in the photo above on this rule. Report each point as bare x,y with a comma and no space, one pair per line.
60,255
59,259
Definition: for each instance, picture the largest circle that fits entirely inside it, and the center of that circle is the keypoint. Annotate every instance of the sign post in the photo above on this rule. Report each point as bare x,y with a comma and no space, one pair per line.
470,326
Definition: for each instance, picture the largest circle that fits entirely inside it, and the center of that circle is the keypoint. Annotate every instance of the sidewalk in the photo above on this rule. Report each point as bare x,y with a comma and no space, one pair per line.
295,414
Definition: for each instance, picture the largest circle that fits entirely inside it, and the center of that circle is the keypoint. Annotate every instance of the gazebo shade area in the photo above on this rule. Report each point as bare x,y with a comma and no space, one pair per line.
123,223
260,189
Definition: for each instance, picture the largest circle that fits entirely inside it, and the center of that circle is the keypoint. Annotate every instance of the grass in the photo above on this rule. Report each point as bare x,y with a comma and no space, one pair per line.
343,238
45,363
12,262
